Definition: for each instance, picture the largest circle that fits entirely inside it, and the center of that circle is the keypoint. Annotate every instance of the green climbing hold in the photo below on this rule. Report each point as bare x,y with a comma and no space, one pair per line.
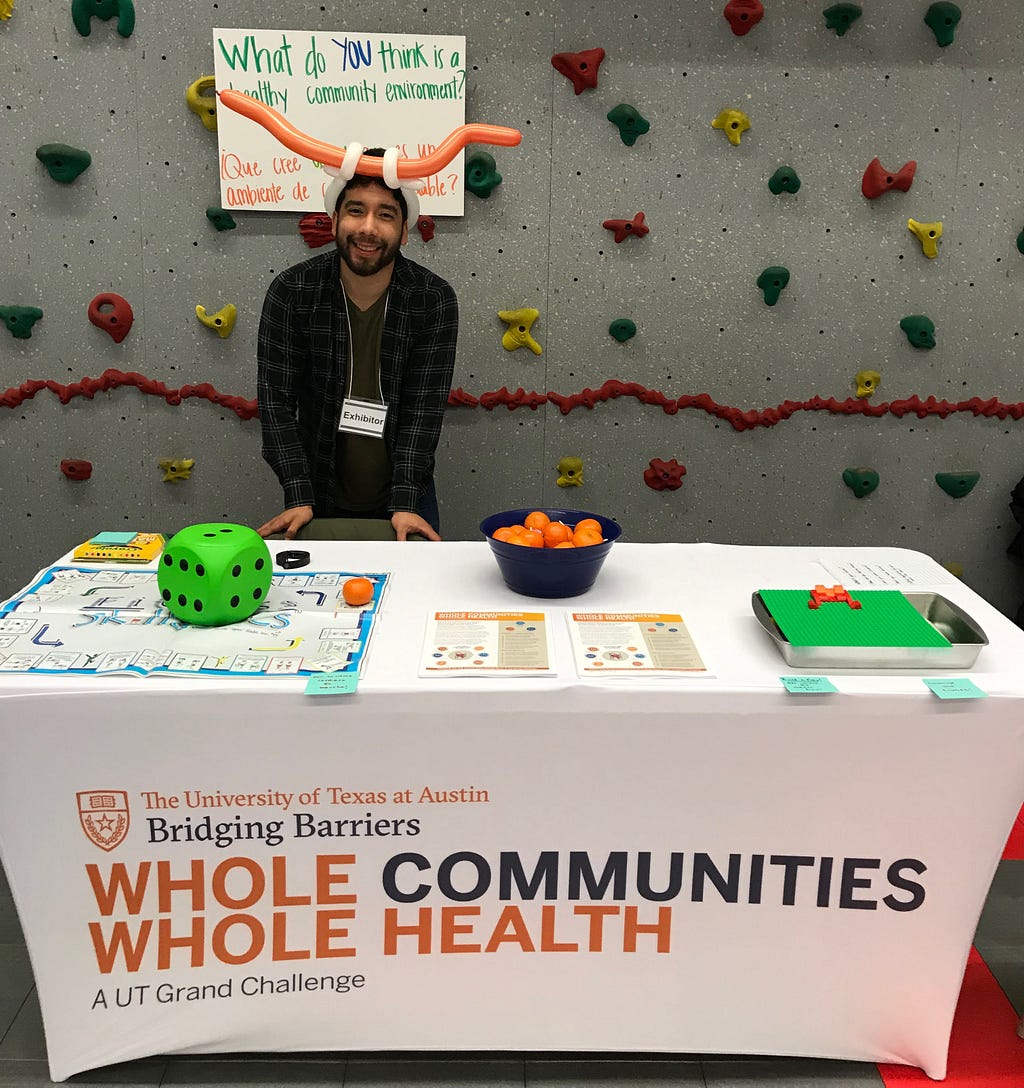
221,218
84,11
861,481
957,484
942,19
630,123
784,180
481,174
772,282
920,330
622,329
63,163
840,17
20,319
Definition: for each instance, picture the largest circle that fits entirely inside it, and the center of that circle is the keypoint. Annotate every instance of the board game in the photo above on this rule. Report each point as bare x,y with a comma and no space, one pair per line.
79,621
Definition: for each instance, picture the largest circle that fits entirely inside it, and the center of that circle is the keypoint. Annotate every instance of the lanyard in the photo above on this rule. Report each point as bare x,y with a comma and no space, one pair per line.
351,348
362,415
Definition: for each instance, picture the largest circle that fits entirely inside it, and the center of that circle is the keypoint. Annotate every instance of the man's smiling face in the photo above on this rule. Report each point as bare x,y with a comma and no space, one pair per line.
368,228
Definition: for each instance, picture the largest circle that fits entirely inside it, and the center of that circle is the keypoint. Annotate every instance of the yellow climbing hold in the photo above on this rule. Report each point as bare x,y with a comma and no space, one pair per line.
6,9
175,469
867,382
570,472
203,105
733,123
223,320
518,335
928,234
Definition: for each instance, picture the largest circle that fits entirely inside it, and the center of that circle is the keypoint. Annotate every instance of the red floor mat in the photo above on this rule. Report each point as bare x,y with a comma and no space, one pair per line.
984,1051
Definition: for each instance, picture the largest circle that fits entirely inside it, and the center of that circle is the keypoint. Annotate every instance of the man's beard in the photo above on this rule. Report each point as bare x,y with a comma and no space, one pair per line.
367,264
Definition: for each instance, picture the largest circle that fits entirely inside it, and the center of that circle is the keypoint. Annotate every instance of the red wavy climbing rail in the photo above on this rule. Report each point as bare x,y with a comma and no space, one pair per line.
739,419
588,398
113,379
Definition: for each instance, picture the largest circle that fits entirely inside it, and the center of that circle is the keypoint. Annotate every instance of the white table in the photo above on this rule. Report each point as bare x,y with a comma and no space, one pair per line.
832,852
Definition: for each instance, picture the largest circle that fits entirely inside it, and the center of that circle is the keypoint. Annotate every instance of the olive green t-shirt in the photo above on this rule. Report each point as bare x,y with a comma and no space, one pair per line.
363,479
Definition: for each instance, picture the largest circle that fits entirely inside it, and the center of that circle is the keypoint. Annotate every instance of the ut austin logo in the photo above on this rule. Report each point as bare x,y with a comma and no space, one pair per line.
104,816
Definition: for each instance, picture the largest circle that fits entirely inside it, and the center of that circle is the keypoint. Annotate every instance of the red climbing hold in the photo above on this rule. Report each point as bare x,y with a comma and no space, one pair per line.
490,401
664,475
316,229
425,225
460,398
623,228
76,470
115,321
580,68
878,180
743,15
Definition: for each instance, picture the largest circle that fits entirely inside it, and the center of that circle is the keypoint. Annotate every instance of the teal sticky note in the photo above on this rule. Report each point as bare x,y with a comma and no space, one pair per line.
109,539
808,685
955,687
332,683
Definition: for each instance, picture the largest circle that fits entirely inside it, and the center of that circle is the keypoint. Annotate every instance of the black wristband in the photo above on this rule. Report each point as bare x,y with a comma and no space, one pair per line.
291,560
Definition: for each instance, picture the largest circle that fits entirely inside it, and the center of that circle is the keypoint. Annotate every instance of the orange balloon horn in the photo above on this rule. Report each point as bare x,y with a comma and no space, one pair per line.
370,166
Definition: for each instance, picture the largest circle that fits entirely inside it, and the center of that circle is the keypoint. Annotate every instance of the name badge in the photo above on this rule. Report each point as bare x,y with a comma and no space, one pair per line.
365,417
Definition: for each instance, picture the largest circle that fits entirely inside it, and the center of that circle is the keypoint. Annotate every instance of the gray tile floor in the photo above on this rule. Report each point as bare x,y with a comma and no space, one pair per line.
1000,939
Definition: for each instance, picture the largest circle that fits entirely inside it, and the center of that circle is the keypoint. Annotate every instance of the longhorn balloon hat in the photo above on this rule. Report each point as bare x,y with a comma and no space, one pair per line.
344,163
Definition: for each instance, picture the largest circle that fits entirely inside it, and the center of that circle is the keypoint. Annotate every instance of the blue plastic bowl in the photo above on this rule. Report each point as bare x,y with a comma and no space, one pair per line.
549,572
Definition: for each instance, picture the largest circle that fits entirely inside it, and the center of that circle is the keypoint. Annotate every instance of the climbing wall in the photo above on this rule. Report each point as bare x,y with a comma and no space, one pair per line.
757,402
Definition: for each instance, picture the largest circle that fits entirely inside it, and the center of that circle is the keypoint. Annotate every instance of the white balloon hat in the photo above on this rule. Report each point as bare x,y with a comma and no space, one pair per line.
342,175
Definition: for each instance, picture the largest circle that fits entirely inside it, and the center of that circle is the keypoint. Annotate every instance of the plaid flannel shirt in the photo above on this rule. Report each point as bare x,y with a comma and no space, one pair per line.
302,354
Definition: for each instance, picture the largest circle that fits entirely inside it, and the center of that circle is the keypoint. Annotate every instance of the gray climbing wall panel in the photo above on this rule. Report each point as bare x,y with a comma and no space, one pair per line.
134,224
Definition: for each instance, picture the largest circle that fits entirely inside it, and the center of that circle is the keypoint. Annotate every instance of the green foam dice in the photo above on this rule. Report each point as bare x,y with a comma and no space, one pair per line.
214,574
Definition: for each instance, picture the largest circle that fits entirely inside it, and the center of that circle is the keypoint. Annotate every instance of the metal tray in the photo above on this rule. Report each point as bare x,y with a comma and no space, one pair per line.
948,619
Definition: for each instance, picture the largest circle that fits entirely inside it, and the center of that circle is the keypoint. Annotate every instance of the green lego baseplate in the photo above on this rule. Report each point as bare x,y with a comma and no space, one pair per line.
885,618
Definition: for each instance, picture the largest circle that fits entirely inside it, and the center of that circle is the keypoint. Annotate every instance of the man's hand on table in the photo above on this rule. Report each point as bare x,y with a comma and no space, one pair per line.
404,522
288,523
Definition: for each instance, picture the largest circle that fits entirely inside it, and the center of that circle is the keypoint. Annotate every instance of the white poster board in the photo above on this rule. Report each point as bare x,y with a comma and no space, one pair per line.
383,90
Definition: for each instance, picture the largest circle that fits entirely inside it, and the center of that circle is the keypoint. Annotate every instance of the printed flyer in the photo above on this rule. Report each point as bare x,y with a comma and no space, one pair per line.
638,643
486,644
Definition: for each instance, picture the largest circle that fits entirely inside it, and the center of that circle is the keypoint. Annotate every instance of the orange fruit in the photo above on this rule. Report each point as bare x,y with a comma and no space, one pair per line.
536,519
504,533
583,538
357,591
517,529
556,533
590,523
566,544
533,538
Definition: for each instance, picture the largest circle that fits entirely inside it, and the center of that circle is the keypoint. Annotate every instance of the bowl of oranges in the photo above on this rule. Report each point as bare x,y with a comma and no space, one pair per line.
550,553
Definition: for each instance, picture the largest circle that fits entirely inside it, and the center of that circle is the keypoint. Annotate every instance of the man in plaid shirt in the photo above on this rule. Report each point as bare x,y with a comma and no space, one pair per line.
356,351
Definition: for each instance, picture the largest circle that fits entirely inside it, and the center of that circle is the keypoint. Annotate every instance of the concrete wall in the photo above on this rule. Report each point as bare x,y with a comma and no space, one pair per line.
134,224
